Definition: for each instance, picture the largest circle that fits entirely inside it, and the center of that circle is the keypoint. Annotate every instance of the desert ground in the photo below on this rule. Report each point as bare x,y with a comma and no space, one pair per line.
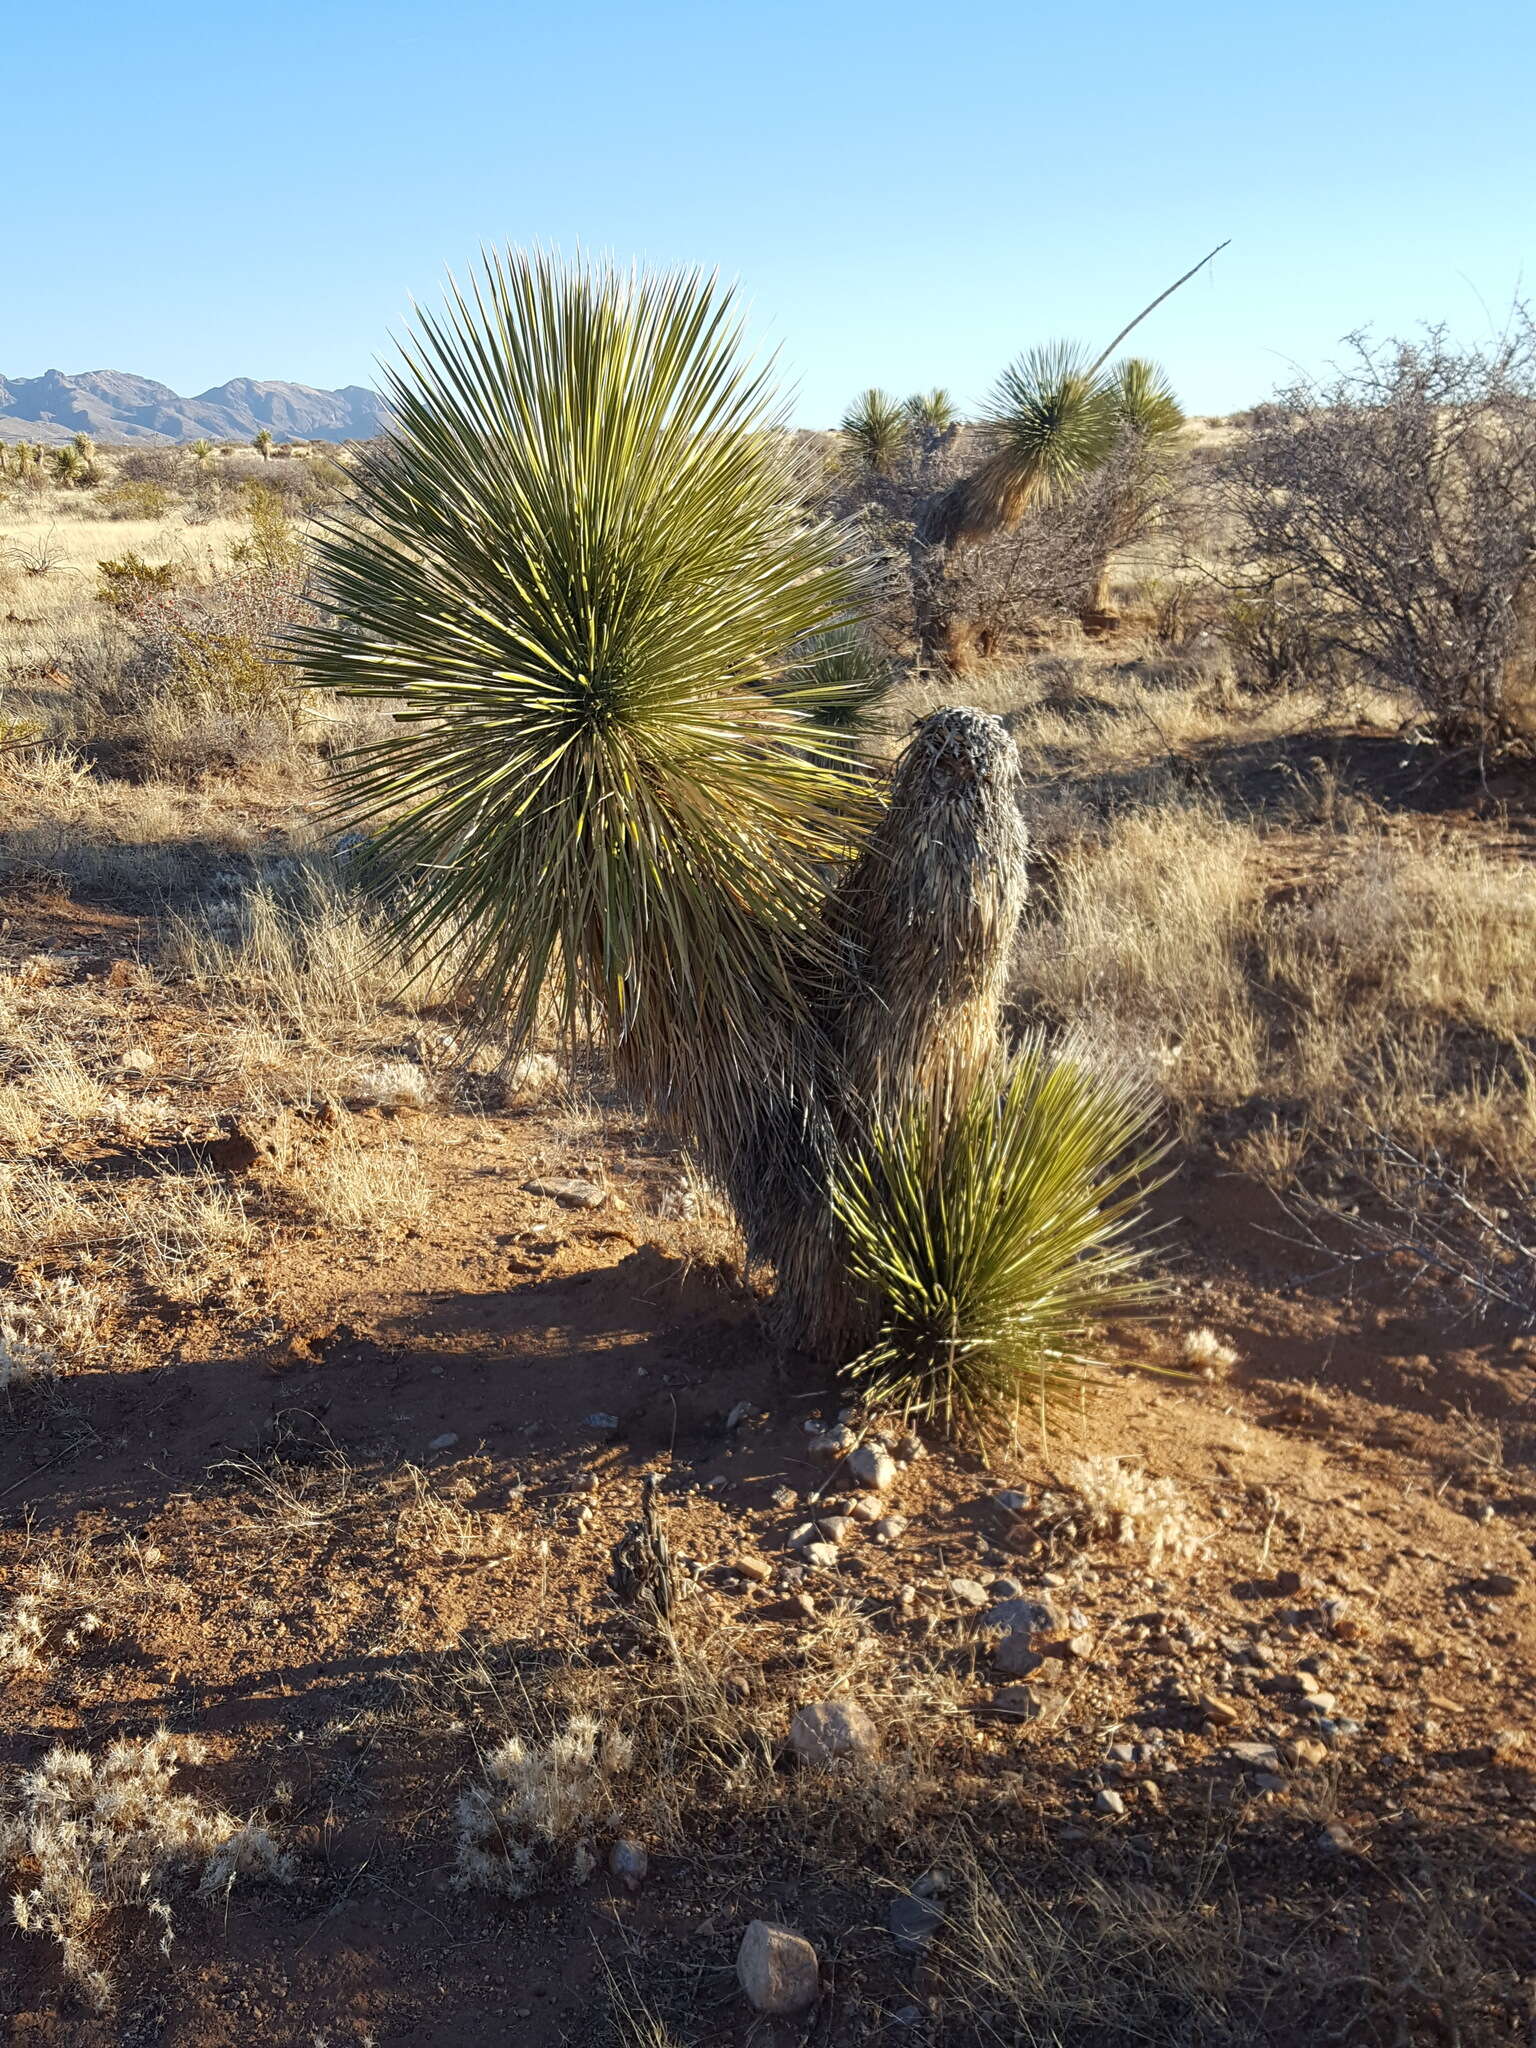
338,1351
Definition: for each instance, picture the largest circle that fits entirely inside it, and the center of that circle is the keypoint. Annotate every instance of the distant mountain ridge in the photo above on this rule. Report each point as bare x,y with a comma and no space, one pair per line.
111,405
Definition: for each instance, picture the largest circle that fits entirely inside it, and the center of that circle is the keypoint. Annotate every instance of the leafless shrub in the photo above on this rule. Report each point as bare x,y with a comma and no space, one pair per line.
1395,509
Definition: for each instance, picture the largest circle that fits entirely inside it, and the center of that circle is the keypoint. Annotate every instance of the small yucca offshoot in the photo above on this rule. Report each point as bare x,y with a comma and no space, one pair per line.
990,1225
1143,399
876,427
579,560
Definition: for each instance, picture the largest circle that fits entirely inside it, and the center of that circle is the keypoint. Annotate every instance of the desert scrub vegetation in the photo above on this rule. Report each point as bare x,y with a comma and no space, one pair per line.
83,1836
1390,512
581,565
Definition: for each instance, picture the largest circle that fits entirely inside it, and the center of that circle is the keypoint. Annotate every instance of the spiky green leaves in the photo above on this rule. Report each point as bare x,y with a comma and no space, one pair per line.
575,563
933,410
1143,400
990,1229
1054,418
875,428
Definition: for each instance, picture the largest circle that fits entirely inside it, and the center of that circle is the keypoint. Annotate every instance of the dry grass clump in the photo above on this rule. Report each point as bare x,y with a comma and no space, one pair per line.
303,950
52,1617
1115,1964
542,1807
46,1325
1206,1353
82,1835
1144,948
176,1232
330,1176
1395,992
1125,1505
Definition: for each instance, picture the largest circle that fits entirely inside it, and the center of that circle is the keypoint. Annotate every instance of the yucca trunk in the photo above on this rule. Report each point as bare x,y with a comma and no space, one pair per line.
924,924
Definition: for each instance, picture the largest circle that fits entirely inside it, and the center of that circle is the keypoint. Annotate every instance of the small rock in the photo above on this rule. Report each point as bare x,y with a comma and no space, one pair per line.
1215,1709
136,1063
872,1468
1498,1584
777,1969
737,1416
1014,1656
825,1730
806,1605
1288,1582
970,1592
445,1442
822,1555
1078,1646
911,1448
629,1862
570,1194
1335,1839
785,1497
835,1528
1020,1616
831,1444
1012,1500
889,1527
1108,1802
1254,1756
866,1508
757,1569
1006,1589
1018,1702
598,1420
914,1921
1305,1752
798,1537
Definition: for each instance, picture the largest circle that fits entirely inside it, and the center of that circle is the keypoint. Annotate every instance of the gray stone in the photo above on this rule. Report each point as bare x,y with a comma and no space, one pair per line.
1020,1616
1014,1656
1254,1756
757,1569
889,1527
911,1448
445,1442
914,1921
1006,1589
598,1420
825,1730
835,1528
1012,1500
828,1445
777,1969
628,1861
1108,1802
822,1555
970,1592
873,1468
1018,1702
800,1536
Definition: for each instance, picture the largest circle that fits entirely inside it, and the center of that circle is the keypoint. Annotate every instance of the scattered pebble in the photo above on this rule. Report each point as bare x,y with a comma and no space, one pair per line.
1106,1801
970,1592
914,1920
629,1861
570,1194
445,1442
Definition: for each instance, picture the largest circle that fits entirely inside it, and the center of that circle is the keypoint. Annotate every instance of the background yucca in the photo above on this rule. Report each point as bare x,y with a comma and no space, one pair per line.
990,1226
876,428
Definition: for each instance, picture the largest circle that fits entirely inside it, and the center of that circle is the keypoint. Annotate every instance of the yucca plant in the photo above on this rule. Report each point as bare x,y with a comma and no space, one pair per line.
876,429
932,411
615,790
838,680
990,1225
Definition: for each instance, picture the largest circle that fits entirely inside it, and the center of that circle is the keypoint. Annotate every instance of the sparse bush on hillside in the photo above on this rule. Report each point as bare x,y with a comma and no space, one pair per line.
128,582
1395,507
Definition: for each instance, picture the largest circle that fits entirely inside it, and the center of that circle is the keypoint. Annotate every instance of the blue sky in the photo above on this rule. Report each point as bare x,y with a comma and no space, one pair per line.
907,194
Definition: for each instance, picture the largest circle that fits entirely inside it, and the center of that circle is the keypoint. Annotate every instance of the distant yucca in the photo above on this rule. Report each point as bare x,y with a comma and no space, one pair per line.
876,428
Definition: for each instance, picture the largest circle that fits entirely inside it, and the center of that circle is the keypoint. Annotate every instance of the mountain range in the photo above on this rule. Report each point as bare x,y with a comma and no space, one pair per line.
111,405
